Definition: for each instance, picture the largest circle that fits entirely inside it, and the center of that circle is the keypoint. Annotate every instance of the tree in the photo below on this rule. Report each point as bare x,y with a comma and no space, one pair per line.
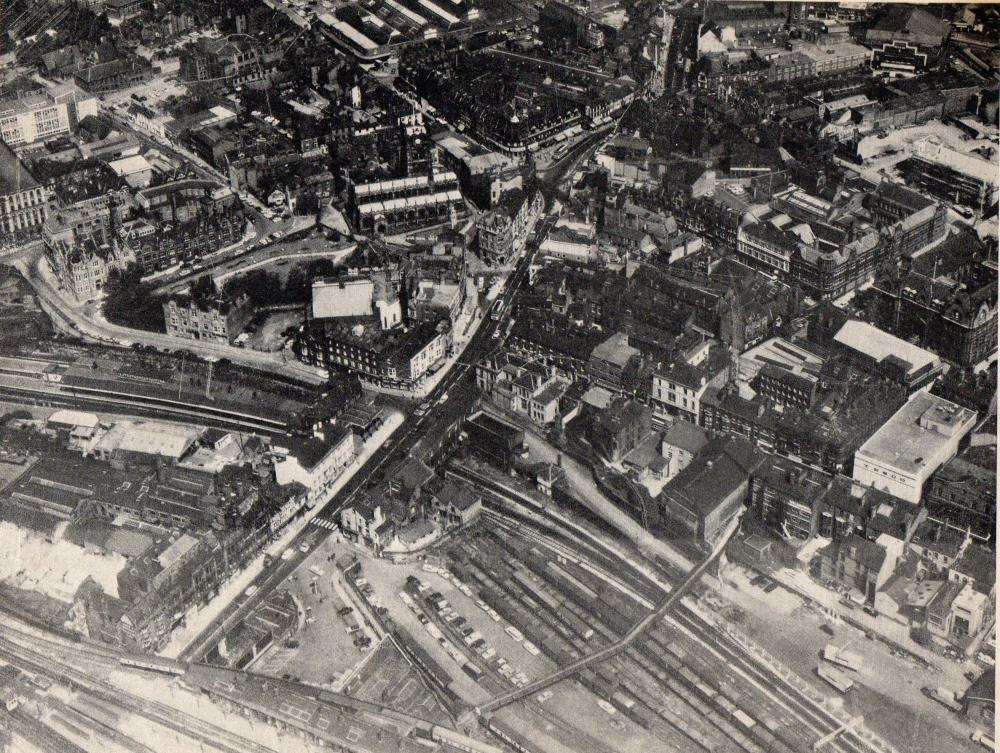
129,302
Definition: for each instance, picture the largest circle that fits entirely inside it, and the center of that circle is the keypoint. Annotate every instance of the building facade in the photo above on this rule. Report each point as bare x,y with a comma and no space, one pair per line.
218,320
504,230
23,202
390,206
919,438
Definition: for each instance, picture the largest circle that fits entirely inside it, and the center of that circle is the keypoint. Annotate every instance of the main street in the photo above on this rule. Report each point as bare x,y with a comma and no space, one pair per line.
452,398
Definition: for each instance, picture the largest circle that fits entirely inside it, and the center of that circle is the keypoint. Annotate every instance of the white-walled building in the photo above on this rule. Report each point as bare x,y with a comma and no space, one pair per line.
314,463
42,115
918,439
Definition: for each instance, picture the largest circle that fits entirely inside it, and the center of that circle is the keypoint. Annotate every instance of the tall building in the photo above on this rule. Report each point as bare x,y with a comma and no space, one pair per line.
504,230
919,438
22,200
42,115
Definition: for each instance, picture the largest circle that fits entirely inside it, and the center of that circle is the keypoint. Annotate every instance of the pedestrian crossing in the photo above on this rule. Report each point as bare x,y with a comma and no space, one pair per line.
324,523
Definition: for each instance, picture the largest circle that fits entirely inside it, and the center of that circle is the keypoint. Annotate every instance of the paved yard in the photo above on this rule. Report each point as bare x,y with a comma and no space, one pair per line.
388,679
326,650
783,625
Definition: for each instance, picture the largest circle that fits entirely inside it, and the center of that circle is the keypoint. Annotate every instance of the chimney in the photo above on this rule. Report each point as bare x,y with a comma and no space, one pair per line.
559,460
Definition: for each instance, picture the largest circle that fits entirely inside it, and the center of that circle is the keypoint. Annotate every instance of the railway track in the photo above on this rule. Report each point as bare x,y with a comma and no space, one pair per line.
59,670
817,718
806,711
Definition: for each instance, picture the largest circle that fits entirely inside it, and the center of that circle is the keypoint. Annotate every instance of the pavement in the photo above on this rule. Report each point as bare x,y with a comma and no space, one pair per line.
451,398
206,626
788,626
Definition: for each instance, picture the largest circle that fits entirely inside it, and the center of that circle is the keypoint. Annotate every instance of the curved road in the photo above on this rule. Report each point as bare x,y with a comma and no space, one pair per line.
57,305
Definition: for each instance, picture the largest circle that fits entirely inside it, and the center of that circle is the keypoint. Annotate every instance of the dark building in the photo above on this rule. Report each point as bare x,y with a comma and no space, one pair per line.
495,441
963,493
945,299
158,245
113,75
906,40
785,386
711,490
853,563
786,496
620,428
890,203
979,703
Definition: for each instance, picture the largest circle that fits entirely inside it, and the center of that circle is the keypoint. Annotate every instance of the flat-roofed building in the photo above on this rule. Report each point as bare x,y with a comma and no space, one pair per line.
315,462
128,440
346,298
897,359
496,441
954,176
42,115
609,361
22,199
919,438
388,206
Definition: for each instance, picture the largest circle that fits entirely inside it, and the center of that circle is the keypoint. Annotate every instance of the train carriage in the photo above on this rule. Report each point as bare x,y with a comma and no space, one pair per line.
153,663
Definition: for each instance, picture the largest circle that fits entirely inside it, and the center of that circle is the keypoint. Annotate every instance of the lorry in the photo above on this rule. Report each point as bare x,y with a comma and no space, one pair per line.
984,739
841,657
834,677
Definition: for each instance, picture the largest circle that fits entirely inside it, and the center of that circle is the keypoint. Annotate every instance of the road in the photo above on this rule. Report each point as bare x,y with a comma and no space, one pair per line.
301,246
59,307
661,609
453,397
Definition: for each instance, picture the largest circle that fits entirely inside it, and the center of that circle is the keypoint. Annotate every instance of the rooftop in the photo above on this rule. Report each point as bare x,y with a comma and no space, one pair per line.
868,553
149,438
310,451
984,686
336,719
917,433
878,344
686,436
14,176
714,475
978,563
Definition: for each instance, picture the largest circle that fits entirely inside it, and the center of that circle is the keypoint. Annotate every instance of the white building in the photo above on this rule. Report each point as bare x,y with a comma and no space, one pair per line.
315,463
678,388
573,241
361,296
434,350
918,439
43,115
